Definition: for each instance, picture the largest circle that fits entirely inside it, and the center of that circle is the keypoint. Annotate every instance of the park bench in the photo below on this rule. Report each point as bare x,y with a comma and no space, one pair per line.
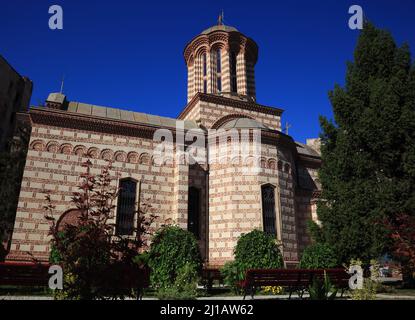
37,275
295,280
24,274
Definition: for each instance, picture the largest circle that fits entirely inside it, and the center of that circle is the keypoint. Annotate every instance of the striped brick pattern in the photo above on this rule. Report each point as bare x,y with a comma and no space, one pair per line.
209,43
54,164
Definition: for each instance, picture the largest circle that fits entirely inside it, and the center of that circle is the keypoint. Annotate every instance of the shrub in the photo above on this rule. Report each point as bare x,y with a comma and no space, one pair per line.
232,274
92,258
370,286
172,249
322,289
254,250
258,250
318,256
184,287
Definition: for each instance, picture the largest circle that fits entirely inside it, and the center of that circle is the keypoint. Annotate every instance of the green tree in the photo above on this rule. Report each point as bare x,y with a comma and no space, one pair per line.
95,260
12,162
318,256
172,248
254,250
368,152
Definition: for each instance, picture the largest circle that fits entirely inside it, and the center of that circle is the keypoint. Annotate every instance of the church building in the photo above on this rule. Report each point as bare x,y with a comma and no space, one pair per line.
216,201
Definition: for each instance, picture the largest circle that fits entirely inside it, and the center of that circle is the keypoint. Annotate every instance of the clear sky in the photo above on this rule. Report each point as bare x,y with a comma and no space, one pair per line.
129,54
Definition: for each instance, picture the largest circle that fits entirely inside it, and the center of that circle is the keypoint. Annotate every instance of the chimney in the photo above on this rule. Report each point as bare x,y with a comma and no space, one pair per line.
57,101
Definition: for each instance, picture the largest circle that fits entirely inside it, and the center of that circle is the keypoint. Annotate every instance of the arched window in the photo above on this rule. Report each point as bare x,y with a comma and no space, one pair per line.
126,207
204,65
268,209
234,83
204,61
219,69
193,211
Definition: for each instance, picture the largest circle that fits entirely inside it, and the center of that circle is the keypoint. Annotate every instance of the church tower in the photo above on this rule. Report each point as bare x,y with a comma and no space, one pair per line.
221,61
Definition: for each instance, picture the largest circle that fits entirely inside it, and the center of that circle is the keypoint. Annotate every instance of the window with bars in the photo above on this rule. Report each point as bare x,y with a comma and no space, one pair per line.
268,209
126,207
204,65
193,211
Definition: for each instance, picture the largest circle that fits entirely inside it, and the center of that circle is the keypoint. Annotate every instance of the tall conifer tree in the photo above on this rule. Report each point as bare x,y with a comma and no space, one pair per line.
368,152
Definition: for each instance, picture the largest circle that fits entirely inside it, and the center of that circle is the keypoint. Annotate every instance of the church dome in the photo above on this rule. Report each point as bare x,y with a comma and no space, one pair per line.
244,123
220,27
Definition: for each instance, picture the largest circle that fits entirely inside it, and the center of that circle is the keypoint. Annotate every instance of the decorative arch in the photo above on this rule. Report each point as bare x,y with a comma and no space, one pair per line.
201,50
250,161
263,162
272,164
66,148
132,157
93,153
107,154
236,161
280,165
287,168
219,123
38,145
144,158
52,146
120,156
80,151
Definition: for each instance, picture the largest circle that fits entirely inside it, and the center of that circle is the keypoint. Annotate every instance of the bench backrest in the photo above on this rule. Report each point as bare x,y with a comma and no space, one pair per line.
24,274
294,277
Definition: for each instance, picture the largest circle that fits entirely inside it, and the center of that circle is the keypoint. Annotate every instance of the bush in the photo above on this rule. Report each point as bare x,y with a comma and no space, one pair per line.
258,250
95,261
318,256
254,250
232,274
171,250
185,285
322,289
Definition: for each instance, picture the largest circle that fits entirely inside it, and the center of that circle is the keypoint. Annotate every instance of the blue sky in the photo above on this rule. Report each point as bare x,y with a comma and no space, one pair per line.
129,54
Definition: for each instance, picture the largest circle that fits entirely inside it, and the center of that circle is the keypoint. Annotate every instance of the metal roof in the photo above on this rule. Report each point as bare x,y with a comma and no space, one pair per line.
221,27
306,150
125,115
244,123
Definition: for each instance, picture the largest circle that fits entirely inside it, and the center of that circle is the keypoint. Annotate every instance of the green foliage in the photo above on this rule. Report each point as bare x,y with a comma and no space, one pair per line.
322,289
232,273
370,285
172,248
254,250
96,264
258,250
368,153
184,287
318,256
368,292
12,162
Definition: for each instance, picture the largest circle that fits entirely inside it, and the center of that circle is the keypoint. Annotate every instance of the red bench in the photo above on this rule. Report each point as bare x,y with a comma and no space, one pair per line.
37,275
293,279
24,274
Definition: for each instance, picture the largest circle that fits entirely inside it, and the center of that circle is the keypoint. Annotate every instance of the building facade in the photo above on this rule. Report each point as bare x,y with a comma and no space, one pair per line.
15,94
216,200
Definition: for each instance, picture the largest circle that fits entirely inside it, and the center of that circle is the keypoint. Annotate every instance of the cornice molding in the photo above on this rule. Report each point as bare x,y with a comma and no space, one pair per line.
245,105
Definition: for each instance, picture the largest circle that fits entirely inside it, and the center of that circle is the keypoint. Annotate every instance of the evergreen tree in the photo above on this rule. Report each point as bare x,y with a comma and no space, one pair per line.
368,152
12,162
